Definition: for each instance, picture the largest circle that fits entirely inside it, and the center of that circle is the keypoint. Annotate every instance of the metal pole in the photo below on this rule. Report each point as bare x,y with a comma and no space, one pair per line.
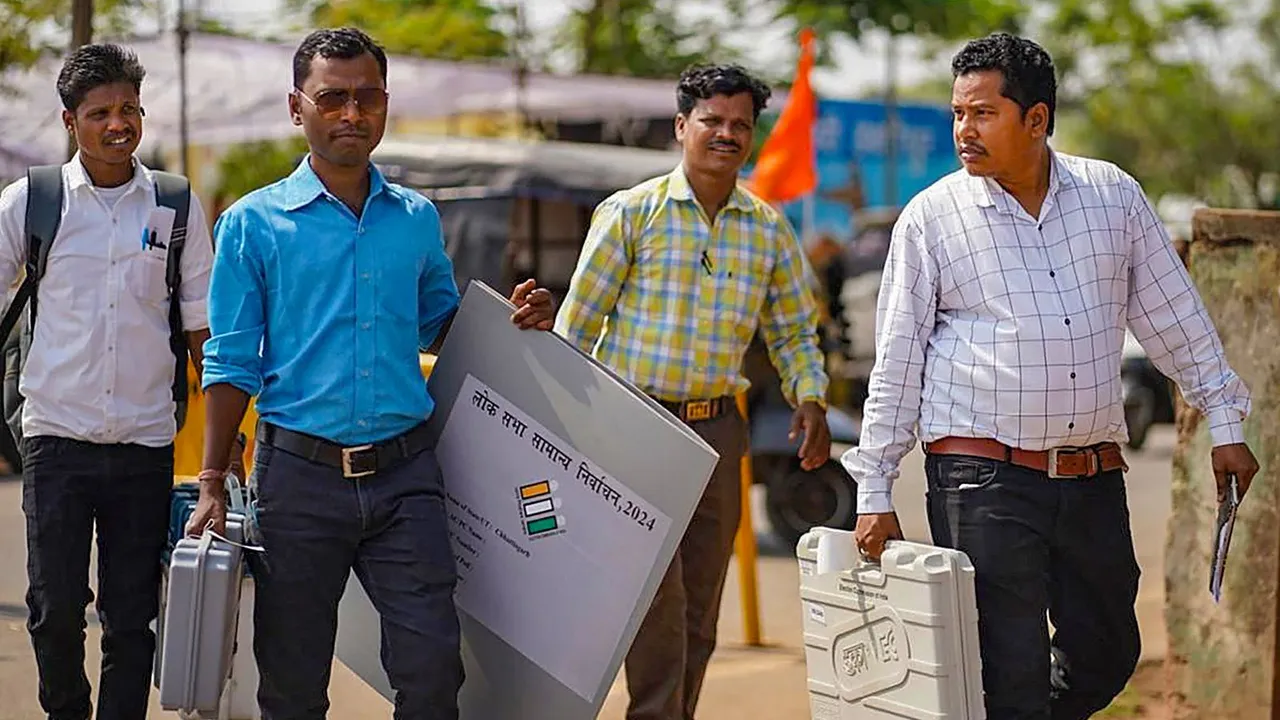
81,23
522,70
809,222
745,549
183,33
891,123
81,35
615,13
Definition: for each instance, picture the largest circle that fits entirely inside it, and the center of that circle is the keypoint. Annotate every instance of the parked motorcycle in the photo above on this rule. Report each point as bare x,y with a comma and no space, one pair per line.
796,500
1148,397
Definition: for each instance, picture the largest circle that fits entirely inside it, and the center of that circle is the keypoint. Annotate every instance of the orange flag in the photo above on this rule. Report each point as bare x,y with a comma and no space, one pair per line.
785,168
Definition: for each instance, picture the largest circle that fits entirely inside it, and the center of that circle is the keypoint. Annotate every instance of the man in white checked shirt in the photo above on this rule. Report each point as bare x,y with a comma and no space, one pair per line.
1002,312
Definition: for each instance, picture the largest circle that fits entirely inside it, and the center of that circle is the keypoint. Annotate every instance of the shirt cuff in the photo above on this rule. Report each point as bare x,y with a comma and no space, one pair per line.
874,502
1226,426
195,314
811,389
216,373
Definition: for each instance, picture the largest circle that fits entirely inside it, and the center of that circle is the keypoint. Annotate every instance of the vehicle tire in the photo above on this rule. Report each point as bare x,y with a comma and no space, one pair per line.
797,500
1139,414
9,451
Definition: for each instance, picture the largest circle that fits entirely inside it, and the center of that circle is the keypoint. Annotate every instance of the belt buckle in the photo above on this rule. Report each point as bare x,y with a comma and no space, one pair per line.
352,467
1092,464
697,410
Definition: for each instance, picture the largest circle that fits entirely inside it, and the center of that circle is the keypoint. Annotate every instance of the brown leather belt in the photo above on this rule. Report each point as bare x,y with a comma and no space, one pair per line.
695,410
1063,462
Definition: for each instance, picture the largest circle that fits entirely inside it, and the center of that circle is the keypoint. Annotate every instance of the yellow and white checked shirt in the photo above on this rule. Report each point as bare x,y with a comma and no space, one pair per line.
671,302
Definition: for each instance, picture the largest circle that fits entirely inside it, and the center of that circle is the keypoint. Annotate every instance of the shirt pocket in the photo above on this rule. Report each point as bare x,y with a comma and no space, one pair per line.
146,279
665,259
741,283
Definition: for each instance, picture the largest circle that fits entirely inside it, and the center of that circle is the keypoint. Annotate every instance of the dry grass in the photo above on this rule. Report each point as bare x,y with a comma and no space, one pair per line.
1144,696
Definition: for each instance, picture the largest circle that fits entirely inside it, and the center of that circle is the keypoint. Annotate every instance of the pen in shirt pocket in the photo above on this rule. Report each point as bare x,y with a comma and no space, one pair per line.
706,263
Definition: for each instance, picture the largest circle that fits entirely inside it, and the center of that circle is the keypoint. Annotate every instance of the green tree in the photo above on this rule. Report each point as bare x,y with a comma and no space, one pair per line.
249,166
647,38
946,19
1146,86
31,29
444,29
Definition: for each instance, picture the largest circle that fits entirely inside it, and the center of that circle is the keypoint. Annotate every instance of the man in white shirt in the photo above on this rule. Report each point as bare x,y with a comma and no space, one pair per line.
1002,312
99,415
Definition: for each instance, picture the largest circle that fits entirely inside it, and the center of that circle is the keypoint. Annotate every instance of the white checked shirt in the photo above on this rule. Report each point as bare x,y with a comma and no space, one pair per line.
983,306
100,369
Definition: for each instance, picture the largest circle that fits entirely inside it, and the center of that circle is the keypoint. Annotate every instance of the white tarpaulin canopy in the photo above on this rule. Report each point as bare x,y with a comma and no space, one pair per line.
237,89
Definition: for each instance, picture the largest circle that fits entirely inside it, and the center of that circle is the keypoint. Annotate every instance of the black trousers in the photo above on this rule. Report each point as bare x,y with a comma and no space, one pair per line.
68,487
1039,544
391,529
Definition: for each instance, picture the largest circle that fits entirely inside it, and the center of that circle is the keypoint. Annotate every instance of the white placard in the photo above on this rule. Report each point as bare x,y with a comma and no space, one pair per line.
547,613
540,525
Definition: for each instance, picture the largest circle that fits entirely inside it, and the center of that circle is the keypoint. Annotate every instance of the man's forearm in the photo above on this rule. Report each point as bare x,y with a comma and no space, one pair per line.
225,406
195,347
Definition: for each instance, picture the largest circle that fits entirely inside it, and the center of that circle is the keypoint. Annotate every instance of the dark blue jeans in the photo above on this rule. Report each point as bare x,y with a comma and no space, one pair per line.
68,487
390,527
1040,544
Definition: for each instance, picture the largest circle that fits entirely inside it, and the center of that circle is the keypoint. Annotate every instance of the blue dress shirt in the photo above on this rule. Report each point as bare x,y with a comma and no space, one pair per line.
322,314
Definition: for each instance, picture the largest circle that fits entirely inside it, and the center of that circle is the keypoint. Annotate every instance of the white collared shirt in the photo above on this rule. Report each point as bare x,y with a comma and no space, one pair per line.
100,368
995,324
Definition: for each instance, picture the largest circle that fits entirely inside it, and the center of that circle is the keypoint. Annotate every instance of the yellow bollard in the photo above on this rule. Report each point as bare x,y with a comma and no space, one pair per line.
745,546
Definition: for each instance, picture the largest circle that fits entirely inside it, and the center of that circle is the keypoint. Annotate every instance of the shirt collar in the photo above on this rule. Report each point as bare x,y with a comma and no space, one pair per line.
986,190
679,189
77,177
303,185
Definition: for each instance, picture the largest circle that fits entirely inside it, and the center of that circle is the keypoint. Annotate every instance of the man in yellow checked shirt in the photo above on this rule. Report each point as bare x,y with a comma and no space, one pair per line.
675,277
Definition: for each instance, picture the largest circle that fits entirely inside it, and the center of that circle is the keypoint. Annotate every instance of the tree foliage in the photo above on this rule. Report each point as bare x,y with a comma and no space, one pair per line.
945,19
647,38
1164,88
249,166
1153,87
444,29
31,29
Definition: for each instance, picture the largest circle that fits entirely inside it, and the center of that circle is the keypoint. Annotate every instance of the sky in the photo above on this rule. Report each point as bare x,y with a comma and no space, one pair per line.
858,70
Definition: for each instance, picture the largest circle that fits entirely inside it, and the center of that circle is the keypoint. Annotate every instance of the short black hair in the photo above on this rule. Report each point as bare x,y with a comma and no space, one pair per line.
342,43
92,66
1026,67
702,81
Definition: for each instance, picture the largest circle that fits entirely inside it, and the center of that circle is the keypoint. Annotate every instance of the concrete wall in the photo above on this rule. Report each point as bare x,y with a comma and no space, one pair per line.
1222,656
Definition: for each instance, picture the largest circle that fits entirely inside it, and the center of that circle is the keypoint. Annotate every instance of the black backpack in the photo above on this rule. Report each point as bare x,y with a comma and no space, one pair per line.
44,214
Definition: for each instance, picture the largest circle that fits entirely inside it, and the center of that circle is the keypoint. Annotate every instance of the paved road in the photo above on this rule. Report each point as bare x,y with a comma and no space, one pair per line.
743,682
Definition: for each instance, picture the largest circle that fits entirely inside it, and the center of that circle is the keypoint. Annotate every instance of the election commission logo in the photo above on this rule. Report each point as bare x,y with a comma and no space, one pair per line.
538,506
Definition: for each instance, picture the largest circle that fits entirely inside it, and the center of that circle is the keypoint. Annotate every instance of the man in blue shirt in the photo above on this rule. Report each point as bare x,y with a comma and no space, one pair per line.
325,287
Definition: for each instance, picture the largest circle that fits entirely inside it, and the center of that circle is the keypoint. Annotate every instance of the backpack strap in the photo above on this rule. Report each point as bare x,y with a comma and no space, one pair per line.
174,191
44,215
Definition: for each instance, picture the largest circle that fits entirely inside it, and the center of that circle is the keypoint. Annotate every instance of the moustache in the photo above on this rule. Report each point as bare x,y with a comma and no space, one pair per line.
725,146
349,132
972,148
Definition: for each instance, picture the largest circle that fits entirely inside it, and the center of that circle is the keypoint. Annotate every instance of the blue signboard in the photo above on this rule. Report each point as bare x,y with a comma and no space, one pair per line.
850,144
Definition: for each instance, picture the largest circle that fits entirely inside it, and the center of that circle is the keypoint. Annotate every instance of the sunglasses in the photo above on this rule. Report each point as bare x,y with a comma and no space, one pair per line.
331,103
